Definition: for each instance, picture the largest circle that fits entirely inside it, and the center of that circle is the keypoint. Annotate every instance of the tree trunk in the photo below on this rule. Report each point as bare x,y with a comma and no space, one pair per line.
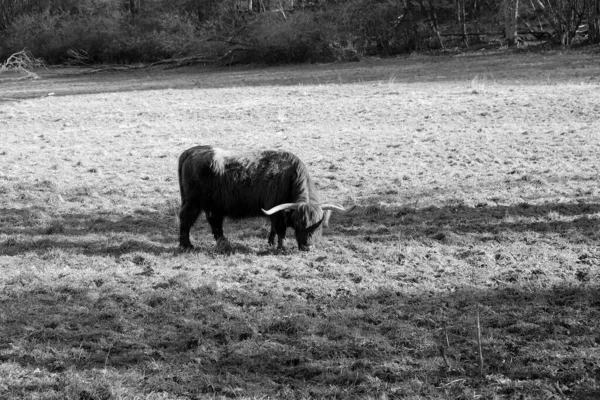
457,6
432,16
593,19
436,26
463,18
511,13
574,13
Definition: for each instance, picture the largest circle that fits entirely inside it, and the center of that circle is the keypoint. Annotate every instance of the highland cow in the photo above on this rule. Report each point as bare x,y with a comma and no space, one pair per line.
245,183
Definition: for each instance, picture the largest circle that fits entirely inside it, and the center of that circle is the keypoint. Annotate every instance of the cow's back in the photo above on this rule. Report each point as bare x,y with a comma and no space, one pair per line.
239,183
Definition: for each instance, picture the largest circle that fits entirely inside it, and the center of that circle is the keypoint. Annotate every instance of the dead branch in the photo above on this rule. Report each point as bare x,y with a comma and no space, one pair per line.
171,64
22,62
229,58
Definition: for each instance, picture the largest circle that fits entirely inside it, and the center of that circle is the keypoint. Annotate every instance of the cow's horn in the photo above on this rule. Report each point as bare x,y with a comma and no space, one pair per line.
326,207
284,206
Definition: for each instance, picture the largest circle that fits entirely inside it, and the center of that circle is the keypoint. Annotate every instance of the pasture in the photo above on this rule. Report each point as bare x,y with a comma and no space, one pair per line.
468,270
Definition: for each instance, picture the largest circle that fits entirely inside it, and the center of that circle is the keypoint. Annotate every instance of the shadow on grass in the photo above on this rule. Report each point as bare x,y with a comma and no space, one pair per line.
42,221
106,233
192,341
574,222
35,228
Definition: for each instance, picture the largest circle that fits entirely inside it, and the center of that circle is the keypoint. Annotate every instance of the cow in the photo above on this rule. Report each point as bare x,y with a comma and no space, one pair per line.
250,183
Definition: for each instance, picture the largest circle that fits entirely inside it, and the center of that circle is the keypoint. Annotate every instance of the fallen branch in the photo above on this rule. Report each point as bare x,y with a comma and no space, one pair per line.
229,57
172,63
22,62
187,61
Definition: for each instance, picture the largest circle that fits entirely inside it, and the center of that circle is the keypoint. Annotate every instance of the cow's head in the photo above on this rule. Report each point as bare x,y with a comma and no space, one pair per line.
307,219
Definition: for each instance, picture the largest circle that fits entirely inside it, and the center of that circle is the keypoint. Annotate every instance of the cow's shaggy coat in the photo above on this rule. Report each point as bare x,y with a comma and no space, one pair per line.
239,183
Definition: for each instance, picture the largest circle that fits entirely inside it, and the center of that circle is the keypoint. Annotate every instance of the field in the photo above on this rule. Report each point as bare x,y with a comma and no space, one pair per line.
469,269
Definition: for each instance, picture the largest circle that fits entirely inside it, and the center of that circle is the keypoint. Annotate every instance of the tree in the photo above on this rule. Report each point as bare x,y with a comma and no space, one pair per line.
433,20
511,13
593,20
462,19
566,16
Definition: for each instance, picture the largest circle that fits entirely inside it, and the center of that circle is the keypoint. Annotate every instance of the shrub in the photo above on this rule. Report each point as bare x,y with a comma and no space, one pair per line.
107,36
300,37
51,35
156,37
31,31
377,26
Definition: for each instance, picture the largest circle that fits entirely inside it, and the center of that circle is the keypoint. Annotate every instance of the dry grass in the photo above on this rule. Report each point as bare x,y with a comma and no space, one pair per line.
476,181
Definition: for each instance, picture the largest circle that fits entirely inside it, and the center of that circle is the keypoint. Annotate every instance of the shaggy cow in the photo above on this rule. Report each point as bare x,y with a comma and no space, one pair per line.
239,183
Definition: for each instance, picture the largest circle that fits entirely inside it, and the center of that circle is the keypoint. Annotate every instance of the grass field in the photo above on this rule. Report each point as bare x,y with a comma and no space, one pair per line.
469,269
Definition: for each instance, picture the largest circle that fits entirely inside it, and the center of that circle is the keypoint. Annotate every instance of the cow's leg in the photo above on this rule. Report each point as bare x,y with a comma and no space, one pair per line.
274,222
272,236
216,225
188,214
280,239
278,226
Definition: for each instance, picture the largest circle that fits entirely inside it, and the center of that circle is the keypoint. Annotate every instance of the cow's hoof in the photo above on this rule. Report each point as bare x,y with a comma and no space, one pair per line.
223,246
186,247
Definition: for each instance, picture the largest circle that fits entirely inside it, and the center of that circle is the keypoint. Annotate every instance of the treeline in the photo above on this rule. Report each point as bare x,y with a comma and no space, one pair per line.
280,31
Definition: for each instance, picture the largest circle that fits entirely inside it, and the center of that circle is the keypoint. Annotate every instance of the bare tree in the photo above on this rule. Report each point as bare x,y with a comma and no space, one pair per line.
462,19
566,17
511,13
593,20
433,20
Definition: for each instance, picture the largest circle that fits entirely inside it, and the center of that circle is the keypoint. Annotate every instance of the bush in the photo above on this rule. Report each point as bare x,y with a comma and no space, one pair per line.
103,31
300,37
154,38
377,29
51,36
105,37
